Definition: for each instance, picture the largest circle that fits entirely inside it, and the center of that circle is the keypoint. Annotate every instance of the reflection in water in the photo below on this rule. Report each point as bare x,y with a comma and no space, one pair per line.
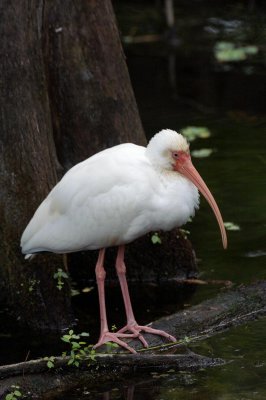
169,13
130,392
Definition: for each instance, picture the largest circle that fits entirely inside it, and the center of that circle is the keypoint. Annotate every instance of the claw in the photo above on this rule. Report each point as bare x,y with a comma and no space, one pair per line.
114,337
159,332
136,329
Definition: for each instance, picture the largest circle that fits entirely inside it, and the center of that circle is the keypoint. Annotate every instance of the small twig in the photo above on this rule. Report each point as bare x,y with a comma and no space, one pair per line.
26,359
142,38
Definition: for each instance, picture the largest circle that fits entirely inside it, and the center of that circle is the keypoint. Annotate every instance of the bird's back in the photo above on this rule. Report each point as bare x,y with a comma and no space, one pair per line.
109,199
95,204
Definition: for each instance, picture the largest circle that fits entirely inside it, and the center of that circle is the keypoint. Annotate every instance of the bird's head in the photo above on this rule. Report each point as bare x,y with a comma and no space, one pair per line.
169,151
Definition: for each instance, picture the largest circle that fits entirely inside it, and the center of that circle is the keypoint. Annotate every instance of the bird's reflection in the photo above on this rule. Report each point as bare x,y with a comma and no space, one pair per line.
140,389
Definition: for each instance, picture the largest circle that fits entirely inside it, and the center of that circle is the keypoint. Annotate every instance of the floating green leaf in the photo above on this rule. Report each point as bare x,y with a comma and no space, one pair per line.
201,153
74,292
231,226
228,51
251,50
194,132
87,289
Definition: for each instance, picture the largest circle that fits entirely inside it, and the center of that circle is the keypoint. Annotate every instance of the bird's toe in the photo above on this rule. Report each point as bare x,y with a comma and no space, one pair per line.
114,338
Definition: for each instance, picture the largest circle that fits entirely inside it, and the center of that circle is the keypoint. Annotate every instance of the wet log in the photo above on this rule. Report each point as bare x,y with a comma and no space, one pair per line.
124,363
231,308
33,378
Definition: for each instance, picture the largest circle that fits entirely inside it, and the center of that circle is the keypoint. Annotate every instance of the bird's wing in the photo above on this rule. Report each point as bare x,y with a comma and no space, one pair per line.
99,202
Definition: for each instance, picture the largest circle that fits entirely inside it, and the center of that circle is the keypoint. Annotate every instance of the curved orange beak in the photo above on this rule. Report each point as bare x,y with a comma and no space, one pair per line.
185,167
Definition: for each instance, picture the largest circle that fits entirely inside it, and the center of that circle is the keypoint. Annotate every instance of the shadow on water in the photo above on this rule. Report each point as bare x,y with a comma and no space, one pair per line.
179,83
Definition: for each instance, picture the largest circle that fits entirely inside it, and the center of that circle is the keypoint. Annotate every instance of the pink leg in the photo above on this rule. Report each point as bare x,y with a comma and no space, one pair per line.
105,334
132,325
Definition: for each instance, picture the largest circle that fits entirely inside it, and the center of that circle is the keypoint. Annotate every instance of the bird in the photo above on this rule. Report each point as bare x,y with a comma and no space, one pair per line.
113,198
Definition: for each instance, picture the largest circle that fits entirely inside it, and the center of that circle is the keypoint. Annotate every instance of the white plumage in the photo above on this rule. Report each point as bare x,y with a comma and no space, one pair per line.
112,198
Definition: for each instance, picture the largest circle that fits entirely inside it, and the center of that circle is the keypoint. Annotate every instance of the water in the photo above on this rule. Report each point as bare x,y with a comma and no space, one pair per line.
182,85
230,102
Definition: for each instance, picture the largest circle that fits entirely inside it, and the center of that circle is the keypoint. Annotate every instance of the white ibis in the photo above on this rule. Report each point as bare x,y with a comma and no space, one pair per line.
111,199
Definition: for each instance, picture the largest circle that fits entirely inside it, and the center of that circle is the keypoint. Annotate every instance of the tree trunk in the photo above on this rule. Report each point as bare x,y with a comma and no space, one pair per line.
93,105
66,93
27,167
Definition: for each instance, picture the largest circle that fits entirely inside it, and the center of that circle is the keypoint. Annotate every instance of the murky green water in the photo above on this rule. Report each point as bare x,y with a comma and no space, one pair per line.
231,103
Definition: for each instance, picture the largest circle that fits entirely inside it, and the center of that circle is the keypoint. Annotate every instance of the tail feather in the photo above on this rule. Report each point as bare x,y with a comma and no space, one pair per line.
30,256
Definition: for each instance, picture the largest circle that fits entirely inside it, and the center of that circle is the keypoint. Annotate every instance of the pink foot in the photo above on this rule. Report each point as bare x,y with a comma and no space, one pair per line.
136,329
114,337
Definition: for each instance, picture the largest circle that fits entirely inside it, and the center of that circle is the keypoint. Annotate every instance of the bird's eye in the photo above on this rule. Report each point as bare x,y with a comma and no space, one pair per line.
175,154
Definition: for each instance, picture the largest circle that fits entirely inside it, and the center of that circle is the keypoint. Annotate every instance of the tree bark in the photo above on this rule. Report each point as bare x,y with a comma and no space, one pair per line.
93,105
185,360
65,93
27,167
